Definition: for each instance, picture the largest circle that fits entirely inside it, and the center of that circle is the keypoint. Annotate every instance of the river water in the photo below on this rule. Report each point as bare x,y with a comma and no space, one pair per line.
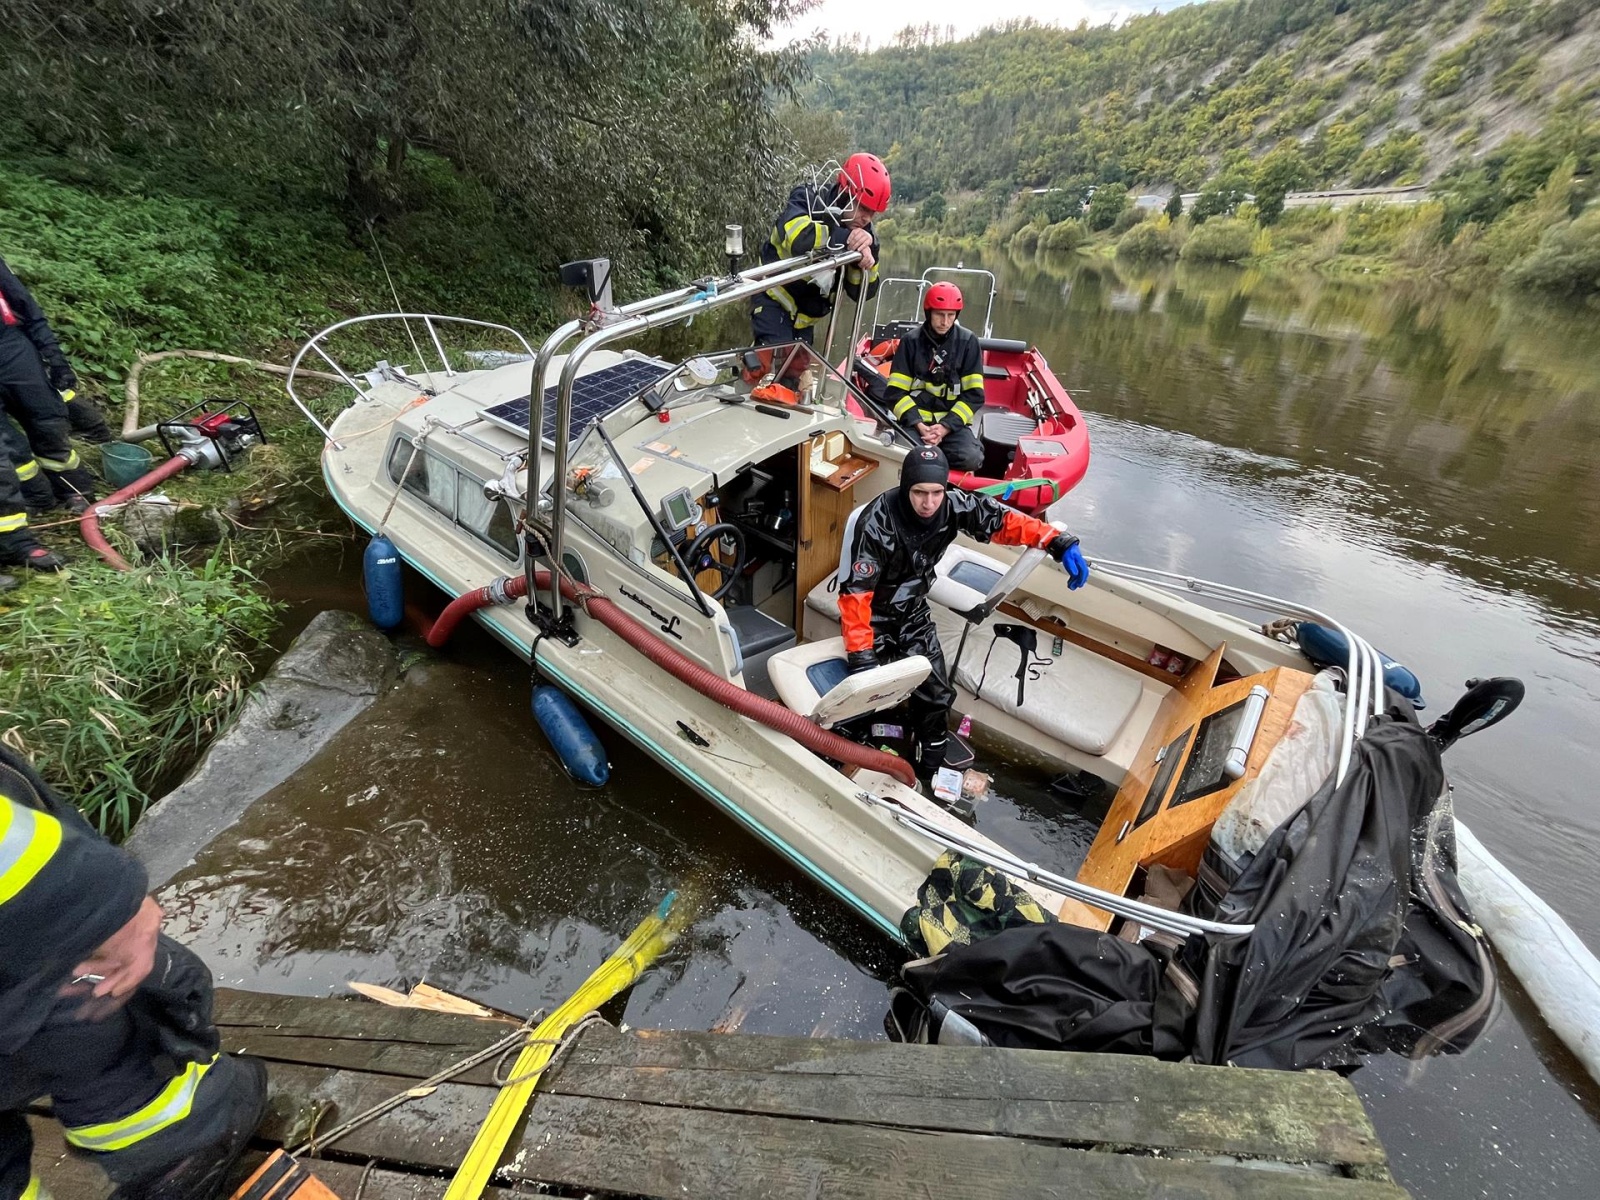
1420,464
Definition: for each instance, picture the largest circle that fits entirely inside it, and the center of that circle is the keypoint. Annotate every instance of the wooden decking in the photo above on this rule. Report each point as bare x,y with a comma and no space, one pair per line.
665,1114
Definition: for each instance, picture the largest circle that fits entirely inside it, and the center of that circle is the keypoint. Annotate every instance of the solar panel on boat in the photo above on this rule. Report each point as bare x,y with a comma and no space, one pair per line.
593,395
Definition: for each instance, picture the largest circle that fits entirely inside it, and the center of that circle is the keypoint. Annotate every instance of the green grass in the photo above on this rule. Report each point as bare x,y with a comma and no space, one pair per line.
114,680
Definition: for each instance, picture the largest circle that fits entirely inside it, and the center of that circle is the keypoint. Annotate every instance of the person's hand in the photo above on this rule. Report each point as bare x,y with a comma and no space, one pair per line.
862,660
934,434
1065,550
860,239
125,958
63,378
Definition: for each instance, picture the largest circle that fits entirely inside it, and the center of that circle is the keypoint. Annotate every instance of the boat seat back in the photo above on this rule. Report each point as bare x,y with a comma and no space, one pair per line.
1004,427
815,681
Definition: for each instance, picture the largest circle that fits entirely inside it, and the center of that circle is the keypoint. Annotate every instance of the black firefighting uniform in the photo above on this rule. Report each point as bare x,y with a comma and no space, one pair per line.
883,592
939,381
791,313
30,359
140,1088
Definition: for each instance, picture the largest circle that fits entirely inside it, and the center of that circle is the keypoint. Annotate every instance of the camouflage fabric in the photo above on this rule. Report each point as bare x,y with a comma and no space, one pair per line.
964,901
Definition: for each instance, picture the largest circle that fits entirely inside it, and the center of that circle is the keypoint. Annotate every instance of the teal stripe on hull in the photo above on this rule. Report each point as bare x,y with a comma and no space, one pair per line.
658,752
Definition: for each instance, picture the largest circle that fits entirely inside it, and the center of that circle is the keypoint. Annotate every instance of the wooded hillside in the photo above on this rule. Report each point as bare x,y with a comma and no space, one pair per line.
1349,92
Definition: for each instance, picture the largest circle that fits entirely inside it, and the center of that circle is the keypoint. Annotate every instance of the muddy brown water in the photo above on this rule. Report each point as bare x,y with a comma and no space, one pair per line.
1420,464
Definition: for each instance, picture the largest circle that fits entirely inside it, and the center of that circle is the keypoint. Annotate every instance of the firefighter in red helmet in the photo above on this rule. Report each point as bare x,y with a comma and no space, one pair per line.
936,382
837,215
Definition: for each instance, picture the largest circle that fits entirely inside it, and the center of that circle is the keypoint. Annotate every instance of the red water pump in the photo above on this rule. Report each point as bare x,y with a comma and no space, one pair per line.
211,439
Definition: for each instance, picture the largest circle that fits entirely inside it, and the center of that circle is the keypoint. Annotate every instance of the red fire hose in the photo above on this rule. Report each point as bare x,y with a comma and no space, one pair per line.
723,691
89,523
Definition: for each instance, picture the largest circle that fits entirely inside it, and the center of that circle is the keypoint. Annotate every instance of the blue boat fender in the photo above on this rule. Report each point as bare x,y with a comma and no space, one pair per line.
380,571
574,741
1329,648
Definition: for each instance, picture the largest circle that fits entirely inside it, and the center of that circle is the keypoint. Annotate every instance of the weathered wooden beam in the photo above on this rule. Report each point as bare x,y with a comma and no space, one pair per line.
655,1151
1082,1099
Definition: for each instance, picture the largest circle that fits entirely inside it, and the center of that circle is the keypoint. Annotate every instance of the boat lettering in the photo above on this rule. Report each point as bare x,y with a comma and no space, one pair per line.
669,623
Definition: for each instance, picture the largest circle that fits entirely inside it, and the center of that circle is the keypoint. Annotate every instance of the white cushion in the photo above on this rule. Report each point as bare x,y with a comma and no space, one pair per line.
959,595
1078,697
824,598
871,691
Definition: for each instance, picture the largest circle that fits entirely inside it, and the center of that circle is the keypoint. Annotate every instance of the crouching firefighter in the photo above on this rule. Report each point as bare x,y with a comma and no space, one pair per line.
936,382
106,1016
893,545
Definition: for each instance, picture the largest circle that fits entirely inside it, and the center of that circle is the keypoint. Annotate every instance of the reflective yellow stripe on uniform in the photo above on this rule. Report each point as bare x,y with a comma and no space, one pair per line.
897,380
972,381
27,470
171,1105
785,301
35,1190
12,522
963,411
28,839
905,405
802,321
784,243
60,464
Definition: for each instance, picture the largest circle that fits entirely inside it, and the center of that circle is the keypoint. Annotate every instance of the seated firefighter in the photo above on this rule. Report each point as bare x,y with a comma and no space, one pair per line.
896,541
936,382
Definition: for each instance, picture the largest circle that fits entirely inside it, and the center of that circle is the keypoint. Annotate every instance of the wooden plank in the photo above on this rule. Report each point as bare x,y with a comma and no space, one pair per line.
382,1183
431,1131
656,1151
1084,1099
349,1016
67,1176
823,514
1060,629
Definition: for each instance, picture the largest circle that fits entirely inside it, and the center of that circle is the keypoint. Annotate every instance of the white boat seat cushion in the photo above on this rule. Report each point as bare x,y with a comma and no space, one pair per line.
824,598
815,681
1078,697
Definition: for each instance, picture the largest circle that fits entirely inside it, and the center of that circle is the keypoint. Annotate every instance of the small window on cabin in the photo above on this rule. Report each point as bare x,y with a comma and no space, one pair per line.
428,477
486,519
1163,780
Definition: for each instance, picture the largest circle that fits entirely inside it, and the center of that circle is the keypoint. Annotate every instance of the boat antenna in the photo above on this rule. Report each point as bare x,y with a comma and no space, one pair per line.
393,291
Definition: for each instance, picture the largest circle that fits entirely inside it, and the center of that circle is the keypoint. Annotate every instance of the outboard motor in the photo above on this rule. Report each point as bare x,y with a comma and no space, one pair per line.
1487,702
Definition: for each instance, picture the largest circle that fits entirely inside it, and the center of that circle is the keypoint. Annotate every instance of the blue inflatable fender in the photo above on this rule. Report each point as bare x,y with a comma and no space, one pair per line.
574,741
380,571
1329,648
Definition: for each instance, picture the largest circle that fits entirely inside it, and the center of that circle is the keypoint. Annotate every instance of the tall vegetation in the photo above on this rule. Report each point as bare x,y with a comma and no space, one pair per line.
635,127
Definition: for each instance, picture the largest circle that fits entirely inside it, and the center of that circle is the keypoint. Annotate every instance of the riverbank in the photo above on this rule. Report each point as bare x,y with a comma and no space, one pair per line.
121,679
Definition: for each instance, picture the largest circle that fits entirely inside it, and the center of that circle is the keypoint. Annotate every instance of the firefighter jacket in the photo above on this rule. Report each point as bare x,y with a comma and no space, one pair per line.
893,552
64,890
936,381
807,224
20,311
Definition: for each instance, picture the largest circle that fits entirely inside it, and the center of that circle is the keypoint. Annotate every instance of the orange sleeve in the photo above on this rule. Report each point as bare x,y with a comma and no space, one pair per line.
855,620
1018,529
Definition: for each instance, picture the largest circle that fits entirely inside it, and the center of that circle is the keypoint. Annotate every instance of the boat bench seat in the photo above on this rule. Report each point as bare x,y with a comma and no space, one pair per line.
815,681
961,579
759,637
1077,697
1004,427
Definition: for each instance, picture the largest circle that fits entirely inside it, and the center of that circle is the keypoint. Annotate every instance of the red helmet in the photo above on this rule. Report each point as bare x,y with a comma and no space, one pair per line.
945,297
866,180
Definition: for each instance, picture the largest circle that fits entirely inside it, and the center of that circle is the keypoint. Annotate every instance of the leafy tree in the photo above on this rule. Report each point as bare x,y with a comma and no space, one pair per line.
1567,261
1223,240
934,208
1219,199
1174,208
1145,242
1107,204
1281,172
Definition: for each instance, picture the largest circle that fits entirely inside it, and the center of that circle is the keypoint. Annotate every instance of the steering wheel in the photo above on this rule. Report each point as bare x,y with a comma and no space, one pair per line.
700,549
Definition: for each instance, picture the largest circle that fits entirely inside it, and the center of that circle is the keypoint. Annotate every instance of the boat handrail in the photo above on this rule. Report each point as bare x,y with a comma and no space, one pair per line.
1363,670
681,305
428,320
1176,923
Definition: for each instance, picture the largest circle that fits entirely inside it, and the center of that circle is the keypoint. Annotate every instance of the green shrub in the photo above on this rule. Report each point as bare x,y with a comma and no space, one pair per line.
1063,235
1107,204
1026,239
126,675
1146,242
1567,261
1129,218
1225,239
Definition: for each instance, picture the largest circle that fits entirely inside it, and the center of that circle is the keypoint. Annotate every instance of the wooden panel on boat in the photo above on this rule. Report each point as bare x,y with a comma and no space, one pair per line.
1066,633
822,517
1176,835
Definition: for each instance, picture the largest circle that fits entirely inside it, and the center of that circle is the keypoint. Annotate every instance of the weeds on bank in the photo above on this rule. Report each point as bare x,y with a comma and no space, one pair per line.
111,681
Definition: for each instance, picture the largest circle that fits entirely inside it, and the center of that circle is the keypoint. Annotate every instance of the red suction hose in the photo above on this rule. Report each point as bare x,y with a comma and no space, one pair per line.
89,523
723,691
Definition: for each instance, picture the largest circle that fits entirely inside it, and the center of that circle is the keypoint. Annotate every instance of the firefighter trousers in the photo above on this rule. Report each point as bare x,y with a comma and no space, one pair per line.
141,1089
27,398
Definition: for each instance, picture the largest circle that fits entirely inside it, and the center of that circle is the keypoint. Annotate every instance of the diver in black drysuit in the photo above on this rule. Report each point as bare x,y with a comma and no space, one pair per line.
892,552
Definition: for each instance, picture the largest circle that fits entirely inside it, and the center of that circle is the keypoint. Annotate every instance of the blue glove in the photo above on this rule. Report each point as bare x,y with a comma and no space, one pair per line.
1064,549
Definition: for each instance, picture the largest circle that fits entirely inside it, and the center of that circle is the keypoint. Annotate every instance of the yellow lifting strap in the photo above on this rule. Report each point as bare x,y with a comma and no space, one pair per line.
642,947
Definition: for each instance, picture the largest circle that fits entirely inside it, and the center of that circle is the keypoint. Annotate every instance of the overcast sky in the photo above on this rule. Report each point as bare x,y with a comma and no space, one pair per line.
880,19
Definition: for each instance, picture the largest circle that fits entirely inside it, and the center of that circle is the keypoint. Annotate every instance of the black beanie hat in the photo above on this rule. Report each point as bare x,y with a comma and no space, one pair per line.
925,464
